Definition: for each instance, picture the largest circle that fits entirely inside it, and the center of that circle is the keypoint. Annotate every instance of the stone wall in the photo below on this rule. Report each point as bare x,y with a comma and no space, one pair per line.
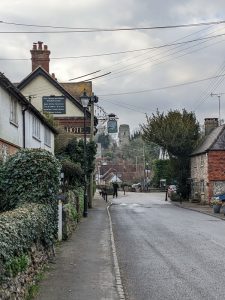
71,213
16,288
199,176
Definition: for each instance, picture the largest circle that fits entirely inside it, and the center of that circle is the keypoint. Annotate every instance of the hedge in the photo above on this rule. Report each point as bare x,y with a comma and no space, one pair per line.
31,175
24,226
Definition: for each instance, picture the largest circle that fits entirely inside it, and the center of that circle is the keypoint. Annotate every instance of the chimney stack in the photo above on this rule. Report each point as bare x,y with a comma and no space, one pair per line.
210,124
40,56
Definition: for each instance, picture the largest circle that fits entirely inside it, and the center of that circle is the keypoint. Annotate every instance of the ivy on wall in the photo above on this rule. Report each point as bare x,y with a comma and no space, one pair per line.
21,227
29,176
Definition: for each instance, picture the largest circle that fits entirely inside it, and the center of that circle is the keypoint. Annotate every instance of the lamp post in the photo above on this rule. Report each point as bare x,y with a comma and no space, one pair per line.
85,101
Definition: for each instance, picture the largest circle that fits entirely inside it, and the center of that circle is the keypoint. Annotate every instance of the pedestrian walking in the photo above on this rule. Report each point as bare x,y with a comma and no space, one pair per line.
166,193
115,189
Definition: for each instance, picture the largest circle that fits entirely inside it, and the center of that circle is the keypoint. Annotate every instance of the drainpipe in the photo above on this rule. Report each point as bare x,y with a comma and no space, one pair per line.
24,126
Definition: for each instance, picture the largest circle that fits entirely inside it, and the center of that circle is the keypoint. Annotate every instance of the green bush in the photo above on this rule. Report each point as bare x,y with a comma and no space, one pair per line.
29,176
16,265
175,197
79,192
20,229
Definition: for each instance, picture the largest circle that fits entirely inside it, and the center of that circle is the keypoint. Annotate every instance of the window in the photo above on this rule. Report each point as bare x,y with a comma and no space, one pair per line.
47,137
36,128
202,186
202,160
13,111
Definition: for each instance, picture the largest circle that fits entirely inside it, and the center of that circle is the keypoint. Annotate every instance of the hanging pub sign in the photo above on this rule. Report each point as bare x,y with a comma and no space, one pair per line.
54,104
112,124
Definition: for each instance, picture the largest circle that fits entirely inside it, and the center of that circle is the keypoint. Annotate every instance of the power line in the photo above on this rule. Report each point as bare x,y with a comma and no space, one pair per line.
136,68
161,88
123,52
84,75
84,29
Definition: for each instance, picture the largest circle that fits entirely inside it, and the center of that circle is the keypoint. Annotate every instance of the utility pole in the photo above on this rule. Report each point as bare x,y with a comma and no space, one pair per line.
144,166
93,100
218,95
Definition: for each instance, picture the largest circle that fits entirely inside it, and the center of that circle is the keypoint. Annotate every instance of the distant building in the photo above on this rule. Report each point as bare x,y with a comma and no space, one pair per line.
124,134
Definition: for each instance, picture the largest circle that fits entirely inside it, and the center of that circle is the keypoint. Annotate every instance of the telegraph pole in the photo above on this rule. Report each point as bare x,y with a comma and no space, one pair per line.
93,100
218,95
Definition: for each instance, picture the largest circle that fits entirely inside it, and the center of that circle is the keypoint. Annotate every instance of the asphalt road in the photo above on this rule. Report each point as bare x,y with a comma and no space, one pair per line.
167,252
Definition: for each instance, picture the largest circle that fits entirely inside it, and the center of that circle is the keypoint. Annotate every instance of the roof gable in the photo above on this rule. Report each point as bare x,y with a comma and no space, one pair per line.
39,71
6,84
214,141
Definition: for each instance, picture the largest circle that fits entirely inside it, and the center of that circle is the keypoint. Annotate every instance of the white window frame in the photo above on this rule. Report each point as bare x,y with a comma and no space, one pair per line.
36,128
47,139
13,111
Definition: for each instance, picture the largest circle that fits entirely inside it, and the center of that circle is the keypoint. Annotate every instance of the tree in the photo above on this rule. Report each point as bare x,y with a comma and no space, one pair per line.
71,155
104,140
177,133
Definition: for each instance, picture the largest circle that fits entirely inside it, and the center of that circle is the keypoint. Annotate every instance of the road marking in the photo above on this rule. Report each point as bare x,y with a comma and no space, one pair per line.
119,284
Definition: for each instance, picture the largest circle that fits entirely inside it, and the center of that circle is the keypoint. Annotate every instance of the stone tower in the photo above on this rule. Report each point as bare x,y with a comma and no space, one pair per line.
124,134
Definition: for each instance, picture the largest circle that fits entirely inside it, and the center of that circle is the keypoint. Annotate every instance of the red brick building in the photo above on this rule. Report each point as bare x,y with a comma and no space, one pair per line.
208,163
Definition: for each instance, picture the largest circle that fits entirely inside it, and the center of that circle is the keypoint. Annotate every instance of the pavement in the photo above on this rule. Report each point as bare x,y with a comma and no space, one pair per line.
205,209
85,266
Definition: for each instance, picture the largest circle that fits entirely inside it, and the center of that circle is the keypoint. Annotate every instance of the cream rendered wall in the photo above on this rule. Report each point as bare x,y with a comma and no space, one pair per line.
39,87
9,132
32,142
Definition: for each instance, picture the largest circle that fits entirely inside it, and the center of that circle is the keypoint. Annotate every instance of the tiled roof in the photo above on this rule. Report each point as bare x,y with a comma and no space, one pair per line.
213,141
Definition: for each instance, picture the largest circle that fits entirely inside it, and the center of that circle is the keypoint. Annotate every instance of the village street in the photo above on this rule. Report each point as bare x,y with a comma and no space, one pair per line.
163,252
167,252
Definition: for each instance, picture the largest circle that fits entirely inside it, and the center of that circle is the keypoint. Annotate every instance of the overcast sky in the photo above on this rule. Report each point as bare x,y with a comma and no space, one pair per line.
133,72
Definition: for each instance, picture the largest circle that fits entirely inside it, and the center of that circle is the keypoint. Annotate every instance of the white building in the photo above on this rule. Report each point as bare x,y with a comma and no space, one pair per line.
21,124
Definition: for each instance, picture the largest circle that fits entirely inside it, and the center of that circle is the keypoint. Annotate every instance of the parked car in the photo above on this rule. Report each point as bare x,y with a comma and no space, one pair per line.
136,187
172,189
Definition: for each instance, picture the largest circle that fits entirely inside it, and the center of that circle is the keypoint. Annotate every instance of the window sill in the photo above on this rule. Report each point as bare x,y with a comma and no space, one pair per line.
36,138
49,146
14,124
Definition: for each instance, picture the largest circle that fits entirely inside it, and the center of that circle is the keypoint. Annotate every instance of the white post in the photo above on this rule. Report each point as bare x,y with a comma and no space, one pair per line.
60,220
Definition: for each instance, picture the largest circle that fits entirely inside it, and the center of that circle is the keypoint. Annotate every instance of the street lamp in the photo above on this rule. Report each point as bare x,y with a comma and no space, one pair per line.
85,101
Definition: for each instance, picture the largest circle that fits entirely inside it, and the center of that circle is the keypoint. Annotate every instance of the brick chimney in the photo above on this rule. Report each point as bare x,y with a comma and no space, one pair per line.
210,124
40,56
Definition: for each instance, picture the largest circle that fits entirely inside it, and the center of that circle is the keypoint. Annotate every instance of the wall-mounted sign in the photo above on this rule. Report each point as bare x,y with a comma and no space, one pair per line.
77,130
112,126
54,104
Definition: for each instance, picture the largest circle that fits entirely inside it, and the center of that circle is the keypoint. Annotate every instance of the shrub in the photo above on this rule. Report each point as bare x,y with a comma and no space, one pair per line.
29,176
175,197
20,229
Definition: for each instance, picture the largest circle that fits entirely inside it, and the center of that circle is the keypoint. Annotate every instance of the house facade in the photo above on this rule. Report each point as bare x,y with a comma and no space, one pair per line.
21,124
59,99
208,164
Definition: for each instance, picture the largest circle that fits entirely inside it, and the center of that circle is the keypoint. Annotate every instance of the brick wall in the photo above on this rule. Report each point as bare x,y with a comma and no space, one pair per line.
7,149
216,169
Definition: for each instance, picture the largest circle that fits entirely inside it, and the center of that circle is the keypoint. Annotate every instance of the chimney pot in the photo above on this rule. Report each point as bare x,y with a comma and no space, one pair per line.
40,45
210,125
40,56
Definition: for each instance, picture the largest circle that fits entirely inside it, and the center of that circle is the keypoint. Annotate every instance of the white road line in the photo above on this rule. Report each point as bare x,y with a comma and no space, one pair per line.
119,284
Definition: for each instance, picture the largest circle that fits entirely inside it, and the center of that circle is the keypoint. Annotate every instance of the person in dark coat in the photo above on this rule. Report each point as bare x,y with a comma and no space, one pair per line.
115,189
